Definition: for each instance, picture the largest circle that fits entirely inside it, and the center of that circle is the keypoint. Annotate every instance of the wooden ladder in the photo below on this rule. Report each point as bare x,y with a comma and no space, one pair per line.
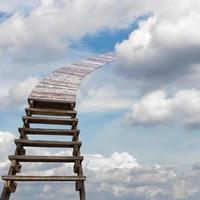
54,113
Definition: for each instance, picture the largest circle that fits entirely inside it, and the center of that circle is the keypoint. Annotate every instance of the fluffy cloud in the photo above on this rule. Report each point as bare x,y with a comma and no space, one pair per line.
18,94
102,99
48,29
165,48
119,176
5,146
116,161
12,5
157,107
149,58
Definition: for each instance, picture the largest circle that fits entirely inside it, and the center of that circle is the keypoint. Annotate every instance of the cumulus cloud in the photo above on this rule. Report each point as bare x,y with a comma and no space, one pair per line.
102,99
48,29
157,107
165,47
18,94
116,161
118,176
13,5
5,146
163,50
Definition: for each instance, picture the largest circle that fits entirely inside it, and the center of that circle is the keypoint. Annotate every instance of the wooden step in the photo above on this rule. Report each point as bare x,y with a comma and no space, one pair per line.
47,103
49,120
42,131
44,178
54,112
42,143
66,159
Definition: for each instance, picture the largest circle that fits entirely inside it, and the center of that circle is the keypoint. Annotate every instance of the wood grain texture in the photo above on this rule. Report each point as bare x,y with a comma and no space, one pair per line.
63,83
44,143
44,131
66,159
44,178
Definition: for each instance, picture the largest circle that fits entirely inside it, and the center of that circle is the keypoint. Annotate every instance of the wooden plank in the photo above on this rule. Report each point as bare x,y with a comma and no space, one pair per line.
59,94
66,159
49,120
44,178
55,92
52,103
72,75
43,143
65,83
76,71
57,87
92,66
53,112
99,60
61,97
41,131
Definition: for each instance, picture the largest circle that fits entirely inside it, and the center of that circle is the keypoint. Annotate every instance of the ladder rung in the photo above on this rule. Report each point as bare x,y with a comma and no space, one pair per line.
49,120
41,131
44,178
20,158
47,103
57,112
42,143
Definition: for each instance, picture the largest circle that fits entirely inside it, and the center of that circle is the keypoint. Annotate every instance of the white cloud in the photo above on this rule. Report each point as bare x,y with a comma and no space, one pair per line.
103,99
116,161
47,189
162,51
157,107
47,31
117,176
181,190
6,147
148,56
18,94
153,108
164,48
13,5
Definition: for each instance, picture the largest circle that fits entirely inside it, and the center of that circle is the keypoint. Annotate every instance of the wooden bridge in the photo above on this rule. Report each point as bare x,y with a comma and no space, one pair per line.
53,102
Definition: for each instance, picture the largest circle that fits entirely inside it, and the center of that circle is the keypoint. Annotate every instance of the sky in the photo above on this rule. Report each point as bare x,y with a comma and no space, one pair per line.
139,117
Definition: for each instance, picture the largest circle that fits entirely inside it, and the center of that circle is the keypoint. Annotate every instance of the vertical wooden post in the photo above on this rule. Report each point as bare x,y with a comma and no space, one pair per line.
15,167
78,168
5,195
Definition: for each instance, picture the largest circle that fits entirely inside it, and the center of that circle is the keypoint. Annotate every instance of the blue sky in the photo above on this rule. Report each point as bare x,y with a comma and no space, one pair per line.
105,40
169,143
139,117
